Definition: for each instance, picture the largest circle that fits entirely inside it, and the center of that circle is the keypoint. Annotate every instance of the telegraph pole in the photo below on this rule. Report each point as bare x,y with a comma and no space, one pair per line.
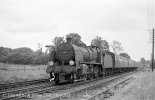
152,49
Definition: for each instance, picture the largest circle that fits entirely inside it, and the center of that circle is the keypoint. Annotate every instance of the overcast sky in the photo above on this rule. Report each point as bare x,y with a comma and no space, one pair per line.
24,23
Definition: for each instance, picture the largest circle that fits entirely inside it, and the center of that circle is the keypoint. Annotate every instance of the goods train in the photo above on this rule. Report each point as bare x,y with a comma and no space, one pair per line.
72,63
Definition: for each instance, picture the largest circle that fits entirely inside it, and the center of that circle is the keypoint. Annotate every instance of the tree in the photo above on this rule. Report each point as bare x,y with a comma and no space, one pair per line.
21,55
40,59
57,41
20,58
142,60
117,47
4,52
49,48
76,39
98,41
124,55
23,50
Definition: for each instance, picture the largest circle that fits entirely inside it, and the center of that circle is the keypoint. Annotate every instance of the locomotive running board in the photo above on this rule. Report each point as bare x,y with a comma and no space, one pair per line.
91,63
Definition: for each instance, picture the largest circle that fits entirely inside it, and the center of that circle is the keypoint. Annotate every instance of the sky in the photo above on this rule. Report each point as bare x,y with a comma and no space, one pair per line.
25,23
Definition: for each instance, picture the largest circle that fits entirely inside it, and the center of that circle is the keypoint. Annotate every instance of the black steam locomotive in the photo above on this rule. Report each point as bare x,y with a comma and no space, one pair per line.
72,63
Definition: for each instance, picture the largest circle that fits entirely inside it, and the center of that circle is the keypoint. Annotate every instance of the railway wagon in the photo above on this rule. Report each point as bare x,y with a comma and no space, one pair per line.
116,63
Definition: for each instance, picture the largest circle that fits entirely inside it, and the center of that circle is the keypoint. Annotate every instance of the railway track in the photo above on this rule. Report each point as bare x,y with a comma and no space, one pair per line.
61,95
20,92
57,92
105,92
30,91
21,84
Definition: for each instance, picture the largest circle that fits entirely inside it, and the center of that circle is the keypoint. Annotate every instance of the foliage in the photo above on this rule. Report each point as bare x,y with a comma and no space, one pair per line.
49,48
23,50
117,47
124,55
98,41
40,59
4,54
76,39
22,55
142,60
20,58
58,40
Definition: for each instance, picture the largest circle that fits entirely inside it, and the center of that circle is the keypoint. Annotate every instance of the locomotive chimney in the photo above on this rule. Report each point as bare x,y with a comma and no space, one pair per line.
68,39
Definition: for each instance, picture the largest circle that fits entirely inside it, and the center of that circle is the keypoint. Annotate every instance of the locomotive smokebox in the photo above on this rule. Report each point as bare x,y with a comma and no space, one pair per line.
68,39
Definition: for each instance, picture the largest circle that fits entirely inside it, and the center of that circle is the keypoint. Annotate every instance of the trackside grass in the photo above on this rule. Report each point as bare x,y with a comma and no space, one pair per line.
16,73
142,88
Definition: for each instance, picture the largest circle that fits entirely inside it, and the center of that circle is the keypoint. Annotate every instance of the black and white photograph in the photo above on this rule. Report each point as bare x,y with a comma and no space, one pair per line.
77,50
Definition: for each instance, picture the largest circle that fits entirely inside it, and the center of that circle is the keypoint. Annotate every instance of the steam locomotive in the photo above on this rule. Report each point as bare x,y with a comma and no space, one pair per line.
73,63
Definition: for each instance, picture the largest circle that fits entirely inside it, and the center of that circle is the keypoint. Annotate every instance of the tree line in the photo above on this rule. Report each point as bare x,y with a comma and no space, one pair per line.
97,41
22,55
25,55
